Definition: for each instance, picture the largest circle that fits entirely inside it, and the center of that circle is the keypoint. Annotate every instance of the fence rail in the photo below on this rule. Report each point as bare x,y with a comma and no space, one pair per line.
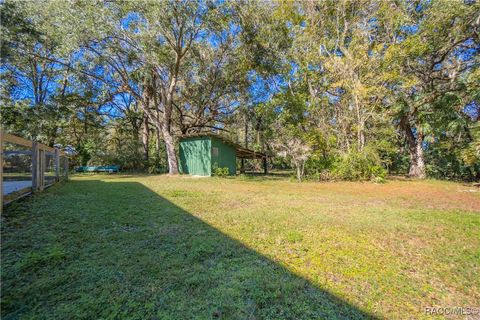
28,166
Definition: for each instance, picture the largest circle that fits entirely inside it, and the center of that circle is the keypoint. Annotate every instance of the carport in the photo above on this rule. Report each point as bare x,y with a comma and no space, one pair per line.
244,153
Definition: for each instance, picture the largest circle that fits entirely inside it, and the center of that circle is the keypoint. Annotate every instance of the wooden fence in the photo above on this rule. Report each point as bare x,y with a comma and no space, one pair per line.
35,179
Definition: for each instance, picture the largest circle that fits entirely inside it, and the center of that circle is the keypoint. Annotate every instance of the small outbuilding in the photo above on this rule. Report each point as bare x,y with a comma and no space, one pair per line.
199,154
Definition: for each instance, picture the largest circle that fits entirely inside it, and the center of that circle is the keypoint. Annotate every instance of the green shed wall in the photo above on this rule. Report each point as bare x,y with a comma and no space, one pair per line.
227,156
195,156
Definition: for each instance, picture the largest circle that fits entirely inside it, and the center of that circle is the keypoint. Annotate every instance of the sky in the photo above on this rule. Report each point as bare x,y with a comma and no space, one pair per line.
261,88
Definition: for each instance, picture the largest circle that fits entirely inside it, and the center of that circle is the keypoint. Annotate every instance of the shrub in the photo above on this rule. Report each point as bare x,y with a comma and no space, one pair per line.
221,172
325,175
317,166
359,165
321,175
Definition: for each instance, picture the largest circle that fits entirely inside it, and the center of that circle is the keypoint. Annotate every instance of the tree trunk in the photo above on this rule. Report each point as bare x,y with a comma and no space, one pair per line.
299,169
167,119
169,141
415,148
145,138
159,141
171,154
162,123
360,126
242,167
361,136
163,126
417,159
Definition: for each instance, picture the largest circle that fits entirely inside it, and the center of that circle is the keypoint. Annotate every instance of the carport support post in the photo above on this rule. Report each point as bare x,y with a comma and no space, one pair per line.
265,170
57,165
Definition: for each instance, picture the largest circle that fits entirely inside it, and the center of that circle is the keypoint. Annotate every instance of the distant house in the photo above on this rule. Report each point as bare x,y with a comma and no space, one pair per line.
200,153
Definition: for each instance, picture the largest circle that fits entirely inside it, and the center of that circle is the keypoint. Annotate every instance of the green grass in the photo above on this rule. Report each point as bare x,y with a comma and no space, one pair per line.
159,247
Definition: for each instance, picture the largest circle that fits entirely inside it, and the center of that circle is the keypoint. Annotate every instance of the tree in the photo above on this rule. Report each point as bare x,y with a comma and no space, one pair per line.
147,50
428,67
291,144
33,103
393,80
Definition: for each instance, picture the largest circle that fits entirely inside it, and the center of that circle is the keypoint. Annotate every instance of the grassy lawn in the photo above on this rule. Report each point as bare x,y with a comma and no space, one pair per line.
155,247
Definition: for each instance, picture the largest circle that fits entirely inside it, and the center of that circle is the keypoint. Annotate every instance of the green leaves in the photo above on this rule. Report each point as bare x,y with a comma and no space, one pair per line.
354,71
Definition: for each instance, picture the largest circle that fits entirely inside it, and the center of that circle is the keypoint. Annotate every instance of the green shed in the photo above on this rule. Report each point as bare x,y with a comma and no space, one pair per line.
200,153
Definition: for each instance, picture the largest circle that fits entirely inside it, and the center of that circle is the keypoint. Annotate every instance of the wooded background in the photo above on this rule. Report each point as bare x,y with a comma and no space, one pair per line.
334,89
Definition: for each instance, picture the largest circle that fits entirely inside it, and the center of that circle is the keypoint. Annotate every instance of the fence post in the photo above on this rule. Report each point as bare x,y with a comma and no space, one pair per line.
57,165
66,167
35,164
41,167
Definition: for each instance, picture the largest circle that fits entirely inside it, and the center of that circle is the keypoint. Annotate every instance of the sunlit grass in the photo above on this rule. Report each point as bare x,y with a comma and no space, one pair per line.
180,247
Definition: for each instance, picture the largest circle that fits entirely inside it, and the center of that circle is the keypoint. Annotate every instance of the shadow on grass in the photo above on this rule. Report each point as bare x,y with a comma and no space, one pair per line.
94,249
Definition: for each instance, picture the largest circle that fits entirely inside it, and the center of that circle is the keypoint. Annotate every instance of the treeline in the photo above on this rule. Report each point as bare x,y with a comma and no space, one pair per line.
334,89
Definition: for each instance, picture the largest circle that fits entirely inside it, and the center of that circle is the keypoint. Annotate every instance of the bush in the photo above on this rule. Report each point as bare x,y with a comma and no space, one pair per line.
359,165
221,172
317,166
325,175
321,175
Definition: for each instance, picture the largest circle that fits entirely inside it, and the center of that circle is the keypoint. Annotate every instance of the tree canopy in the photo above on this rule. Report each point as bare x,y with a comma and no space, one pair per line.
334,89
